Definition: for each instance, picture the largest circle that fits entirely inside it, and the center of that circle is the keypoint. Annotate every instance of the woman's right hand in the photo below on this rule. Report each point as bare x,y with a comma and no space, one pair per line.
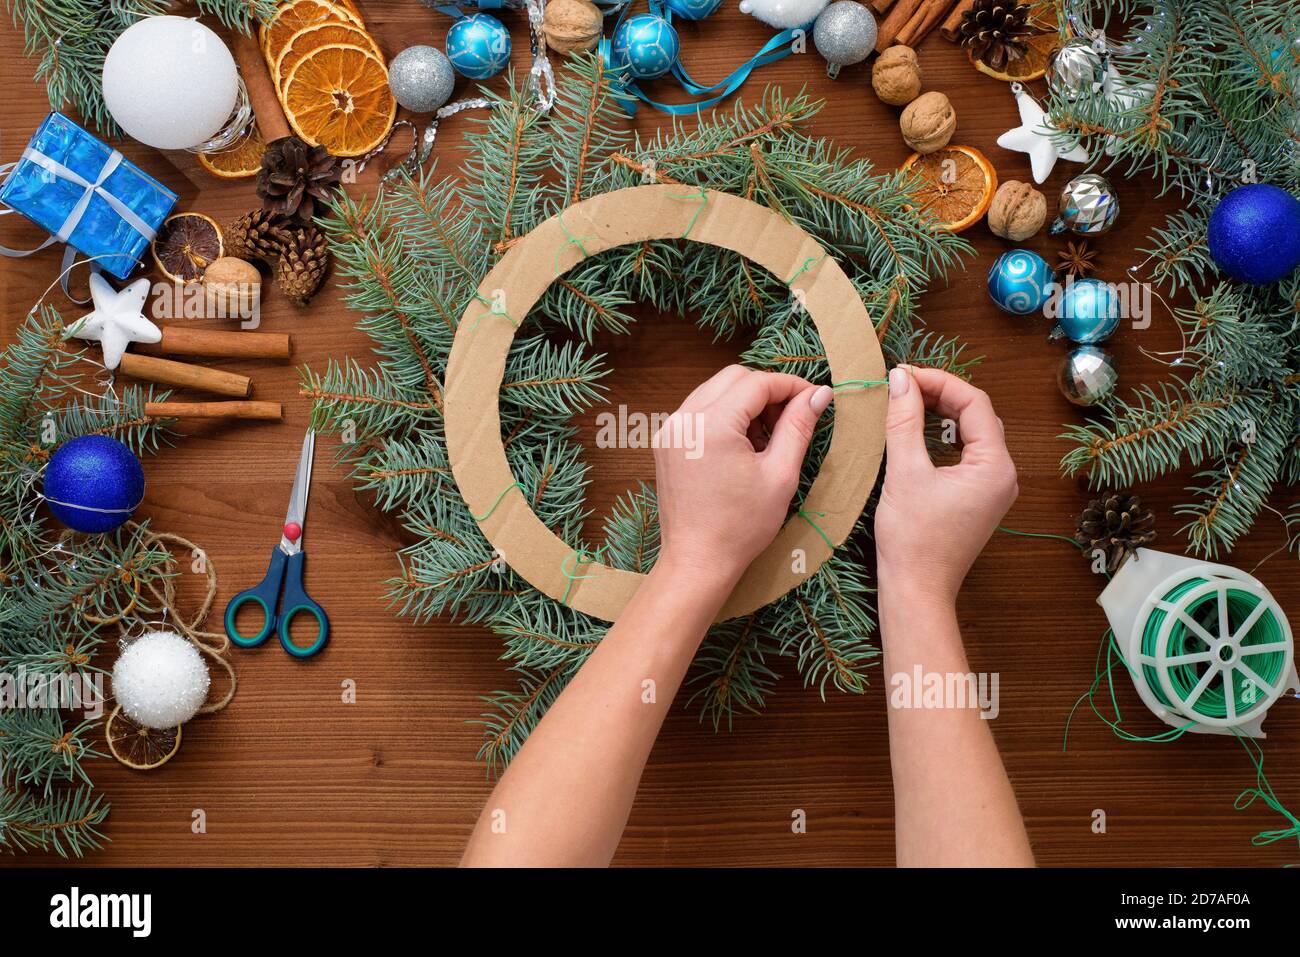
932,522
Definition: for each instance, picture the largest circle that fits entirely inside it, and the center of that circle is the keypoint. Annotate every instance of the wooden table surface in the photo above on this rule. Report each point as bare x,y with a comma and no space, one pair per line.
289,774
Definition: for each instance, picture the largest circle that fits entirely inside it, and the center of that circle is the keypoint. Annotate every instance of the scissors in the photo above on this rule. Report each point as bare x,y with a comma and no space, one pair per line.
285,569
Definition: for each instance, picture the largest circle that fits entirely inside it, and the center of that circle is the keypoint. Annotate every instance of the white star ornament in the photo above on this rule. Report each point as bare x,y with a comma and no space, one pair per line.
117,320
1034,136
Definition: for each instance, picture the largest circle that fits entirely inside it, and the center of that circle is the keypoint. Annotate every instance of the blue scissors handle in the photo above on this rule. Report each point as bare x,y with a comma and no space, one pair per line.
284,570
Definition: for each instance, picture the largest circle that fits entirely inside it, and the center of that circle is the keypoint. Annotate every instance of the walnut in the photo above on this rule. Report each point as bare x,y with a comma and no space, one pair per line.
571,26
896,76
1017,211
928,122
231,287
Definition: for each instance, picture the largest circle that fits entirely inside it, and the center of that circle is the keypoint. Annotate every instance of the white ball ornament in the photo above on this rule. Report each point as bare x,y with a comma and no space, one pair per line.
170,82
160,680
784,14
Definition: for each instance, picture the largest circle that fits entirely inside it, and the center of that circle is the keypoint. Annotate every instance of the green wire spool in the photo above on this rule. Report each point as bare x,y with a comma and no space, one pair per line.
1208,647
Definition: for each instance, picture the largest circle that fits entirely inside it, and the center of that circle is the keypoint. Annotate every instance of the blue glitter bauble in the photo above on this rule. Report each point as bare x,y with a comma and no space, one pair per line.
1088,311
1019,281
93,483
692,9
1255,233
645,46
478,46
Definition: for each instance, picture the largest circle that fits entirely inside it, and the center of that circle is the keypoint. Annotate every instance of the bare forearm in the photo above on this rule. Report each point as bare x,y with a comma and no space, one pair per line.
566,796
953,803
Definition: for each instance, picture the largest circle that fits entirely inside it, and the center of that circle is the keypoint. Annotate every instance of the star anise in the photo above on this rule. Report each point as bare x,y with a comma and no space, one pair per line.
1076,259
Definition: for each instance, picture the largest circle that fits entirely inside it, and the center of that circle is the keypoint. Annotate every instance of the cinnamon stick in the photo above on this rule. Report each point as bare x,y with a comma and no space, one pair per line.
899,15
248,409
951,29
185,375
925,19
262,95
182,341
880,6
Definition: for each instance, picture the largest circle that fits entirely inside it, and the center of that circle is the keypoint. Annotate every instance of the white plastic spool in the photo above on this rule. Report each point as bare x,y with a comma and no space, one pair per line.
1138,589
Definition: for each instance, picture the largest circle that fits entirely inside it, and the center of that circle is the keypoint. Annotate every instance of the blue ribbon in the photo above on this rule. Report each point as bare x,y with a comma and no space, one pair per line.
626,91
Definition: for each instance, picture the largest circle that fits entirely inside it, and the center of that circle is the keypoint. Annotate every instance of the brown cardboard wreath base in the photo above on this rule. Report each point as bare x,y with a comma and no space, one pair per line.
638,214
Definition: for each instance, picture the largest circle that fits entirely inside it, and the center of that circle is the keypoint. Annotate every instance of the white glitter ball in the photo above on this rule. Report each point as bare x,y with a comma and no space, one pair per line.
160,679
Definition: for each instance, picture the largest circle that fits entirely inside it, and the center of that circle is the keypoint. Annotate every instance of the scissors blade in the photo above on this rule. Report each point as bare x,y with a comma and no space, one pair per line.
297,513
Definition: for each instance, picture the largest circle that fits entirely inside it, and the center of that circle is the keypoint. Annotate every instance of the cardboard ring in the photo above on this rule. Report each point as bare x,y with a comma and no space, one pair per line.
643,213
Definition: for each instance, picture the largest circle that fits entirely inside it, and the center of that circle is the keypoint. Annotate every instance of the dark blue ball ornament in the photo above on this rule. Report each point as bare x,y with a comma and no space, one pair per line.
645,46
692,9
1020,281
1088,311
1254,233
93,483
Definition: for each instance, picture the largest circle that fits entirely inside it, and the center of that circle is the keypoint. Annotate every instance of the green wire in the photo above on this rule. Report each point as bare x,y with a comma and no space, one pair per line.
1182,640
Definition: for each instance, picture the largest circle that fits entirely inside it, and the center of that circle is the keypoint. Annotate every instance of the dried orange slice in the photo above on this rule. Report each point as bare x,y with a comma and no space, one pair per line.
185,245
1033,64
338,97
292,17
957,185
138,747
313,38
352,9
243,158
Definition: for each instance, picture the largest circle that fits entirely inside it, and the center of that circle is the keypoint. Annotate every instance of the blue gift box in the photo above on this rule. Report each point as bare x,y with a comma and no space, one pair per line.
86,194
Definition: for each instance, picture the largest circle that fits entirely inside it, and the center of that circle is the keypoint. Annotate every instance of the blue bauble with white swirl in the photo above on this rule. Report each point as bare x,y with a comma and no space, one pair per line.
93,483
1088,311
692,9
1020,281
645,46
1254,233
478,46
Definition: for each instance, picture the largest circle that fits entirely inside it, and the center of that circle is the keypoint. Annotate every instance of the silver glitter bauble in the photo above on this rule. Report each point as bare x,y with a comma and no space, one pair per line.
844,34
1087,206
1087,375
1075,70
421,78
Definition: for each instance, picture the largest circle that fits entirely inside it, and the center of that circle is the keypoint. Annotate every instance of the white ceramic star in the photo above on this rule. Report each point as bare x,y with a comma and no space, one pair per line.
1033,136
118,318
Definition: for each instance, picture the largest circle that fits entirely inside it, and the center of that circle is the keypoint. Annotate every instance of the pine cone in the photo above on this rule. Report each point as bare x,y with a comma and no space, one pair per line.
253,236
304,260
995,31
1118,525
295,176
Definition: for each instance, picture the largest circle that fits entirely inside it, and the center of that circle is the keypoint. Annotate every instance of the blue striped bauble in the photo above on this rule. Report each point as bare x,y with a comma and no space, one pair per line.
478,46
1019,281
1089,311
93,483
645,46
692,9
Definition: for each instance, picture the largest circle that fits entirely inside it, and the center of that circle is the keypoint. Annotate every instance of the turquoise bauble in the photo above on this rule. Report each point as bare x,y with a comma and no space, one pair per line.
478,46
1254,233
645,46
93,483
1020,281
1088,311
692,9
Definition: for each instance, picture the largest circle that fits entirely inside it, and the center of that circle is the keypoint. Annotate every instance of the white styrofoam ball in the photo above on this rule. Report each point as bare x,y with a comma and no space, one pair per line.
784,14
170,82
160,679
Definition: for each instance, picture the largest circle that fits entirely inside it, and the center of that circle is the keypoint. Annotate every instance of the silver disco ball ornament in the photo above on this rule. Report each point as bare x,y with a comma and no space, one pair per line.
1087,206
1087,375
421,78
844,34
1076,70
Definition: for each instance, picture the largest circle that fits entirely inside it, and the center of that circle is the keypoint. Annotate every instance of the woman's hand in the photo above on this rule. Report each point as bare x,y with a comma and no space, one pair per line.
932,522
727,464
